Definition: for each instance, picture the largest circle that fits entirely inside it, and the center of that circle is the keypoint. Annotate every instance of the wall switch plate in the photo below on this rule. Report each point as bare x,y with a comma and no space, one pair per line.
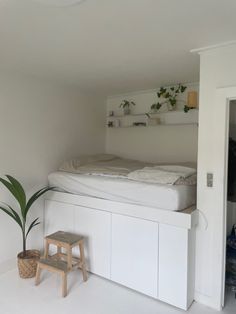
209,180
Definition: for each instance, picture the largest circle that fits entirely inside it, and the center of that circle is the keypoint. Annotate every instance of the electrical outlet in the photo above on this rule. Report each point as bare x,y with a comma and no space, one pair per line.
209,180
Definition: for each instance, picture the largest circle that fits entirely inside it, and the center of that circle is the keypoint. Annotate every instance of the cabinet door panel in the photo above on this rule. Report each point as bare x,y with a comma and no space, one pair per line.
173,265
95,226
58,216
135,253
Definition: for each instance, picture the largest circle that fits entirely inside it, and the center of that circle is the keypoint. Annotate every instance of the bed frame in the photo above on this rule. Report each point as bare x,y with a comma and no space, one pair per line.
147,249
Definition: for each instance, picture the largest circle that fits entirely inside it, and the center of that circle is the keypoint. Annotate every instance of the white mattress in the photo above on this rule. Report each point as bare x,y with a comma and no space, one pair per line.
169,197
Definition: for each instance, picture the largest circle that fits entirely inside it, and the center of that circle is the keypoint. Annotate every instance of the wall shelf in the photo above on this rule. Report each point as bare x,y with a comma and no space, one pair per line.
151,126
174,118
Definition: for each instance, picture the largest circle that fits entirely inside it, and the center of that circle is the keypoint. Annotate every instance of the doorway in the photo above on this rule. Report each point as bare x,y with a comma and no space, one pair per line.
230,262
227,97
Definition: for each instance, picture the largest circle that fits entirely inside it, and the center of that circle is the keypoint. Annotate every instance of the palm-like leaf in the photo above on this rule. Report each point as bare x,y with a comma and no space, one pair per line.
12,215
17,190
35,196
16,215
32,225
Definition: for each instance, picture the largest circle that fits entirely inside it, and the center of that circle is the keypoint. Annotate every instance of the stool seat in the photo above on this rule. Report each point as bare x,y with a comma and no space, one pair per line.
65,237
58,265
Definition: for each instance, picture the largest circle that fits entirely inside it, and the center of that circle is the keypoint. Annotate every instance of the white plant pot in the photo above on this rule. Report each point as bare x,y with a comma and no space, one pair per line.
126,111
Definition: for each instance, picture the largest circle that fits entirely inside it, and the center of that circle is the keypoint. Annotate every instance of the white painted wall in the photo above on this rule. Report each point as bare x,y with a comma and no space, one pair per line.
218,69
41,124
162,143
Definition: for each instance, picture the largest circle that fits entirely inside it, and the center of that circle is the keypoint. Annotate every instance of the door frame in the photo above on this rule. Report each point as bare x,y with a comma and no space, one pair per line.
223,97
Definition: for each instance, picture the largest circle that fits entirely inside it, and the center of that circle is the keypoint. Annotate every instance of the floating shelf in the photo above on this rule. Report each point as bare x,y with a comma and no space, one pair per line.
151,126
175,117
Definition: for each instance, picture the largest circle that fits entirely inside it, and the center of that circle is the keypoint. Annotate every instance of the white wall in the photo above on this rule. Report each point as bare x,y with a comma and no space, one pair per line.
41,124
218,69
162,143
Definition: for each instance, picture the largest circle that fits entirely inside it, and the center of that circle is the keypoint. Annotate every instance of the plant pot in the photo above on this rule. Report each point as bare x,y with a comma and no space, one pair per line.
27,263
171,108
126,111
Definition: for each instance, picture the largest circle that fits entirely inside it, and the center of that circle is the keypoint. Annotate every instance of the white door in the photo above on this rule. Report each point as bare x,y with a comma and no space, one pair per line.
95,226
135,253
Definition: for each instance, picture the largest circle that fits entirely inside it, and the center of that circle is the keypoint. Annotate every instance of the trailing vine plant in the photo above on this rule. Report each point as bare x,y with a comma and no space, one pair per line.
168,95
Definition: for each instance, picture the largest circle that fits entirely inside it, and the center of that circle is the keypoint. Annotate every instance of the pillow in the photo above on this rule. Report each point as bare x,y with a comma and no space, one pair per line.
191,180
75,163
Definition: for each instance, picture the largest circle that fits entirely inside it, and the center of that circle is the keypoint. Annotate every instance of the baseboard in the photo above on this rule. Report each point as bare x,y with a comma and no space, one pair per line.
206,300
7,266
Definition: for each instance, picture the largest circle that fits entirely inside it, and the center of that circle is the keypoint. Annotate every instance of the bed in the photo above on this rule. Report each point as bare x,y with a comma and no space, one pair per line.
169,197
129,181
138,233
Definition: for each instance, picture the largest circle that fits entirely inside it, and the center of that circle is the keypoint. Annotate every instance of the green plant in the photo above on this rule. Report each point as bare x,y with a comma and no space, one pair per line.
169,95
186,108
17,191
126,104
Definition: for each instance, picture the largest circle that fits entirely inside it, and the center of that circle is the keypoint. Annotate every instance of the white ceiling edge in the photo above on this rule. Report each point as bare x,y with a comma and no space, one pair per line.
212,47
59,3
148,91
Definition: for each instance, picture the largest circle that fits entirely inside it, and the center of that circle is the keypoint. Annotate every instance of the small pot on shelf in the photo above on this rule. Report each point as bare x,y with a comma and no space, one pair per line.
126,111
126,105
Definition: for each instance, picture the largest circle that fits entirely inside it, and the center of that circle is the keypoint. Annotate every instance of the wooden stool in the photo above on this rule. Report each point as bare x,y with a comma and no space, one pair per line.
62,263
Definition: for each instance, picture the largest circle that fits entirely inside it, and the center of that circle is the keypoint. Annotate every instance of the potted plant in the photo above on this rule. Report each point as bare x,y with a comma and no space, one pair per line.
169,97
27,259
125,105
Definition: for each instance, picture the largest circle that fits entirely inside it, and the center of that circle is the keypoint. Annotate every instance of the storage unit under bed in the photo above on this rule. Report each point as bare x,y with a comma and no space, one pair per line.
144,248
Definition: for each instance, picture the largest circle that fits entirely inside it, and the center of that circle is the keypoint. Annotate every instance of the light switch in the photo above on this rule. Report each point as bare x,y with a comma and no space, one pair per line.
210,180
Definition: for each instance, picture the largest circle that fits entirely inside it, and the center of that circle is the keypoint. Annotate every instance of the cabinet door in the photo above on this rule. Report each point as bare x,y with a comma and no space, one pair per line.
135,253
58,216
95,226
173,266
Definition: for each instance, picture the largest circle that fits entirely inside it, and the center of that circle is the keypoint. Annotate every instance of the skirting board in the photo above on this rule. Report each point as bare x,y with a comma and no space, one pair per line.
7,266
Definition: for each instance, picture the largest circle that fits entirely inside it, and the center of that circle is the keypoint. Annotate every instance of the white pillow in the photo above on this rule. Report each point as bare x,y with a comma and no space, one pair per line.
74,163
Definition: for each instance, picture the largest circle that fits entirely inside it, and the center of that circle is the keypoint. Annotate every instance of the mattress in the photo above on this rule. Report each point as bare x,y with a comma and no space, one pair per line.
169,197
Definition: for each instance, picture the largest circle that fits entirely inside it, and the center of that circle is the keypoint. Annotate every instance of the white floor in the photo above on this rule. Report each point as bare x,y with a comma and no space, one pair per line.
96,296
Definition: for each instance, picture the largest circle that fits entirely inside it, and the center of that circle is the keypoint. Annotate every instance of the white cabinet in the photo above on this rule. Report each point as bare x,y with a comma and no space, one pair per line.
146,255
58,216
135,253
176,265
95,226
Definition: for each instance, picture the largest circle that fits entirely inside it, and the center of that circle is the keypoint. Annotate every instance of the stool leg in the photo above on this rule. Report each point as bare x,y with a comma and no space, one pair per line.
38,273
58,253
46,249
83,264
64,285
69,257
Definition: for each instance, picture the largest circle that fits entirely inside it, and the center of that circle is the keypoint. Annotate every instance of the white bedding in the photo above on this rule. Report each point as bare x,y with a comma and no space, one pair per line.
168,174
169,197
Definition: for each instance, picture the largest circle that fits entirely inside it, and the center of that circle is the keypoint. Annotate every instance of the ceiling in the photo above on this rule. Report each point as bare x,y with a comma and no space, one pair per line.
112,46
